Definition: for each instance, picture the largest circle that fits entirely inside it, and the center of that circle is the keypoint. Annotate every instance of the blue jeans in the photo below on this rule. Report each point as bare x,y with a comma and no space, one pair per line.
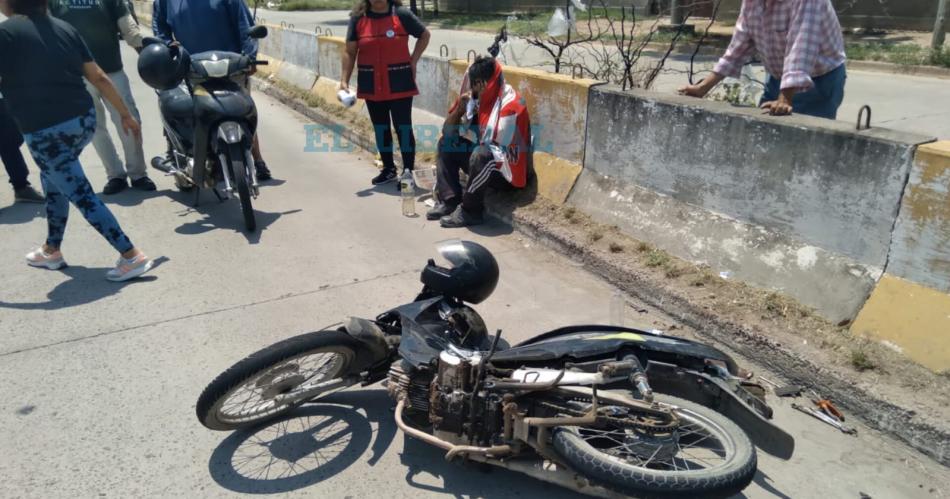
56,152
822,100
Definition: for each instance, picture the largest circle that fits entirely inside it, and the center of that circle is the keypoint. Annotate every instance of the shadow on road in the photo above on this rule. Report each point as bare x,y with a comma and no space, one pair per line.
223,215
21,213
389,189
318,441
311,444
130,197
85,285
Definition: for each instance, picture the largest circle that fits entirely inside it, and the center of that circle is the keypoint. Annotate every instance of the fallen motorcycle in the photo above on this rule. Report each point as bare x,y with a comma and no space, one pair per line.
603,410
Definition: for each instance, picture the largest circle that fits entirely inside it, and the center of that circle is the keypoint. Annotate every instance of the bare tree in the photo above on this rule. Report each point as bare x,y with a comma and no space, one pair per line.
558,47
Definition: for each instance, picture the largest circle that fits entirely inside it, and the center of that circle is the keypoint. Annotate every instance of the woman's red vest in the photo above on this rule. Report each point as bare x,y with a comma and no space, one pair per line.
383,63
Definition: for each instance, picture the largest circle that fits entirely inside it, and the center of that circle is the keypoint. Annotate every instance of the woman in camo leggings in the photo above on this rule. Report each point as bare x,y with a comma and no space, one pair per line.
42,64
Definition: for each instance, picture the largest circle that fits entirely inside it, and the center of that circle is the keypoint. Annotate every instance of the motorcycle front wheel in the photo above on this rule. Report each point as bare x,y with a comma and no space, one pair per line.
241,173
250,391
707,455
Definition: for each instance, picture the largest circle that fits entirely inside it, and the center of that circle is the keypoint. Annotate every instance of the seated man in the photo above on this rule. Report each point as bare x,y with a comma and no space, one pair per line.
486,134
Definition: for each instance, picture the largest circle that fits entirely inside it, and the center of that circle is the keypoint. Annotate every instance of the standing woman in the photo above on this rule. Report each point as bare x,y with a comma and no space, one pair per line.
42,64
377,42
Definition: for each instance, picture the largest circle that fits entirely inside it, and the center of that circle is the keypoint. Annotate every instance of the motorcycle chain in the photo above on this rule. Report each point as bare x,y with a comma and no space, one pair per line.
627,422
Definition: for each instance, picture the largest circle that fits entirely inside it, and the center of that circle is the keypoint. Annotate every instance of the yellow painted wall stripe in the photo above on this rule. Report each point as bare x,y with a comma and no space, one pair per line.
912,317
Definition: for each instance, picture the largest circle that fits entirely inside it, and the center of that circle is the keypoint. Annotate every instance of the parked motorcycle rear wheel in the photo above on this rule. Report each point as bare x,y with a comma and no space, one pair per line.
244,395
665,465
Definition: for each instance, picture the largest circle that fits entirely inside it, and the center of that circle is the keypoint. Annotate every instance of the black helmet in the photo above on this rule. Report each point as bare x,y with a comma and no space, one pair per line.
471,275
163,67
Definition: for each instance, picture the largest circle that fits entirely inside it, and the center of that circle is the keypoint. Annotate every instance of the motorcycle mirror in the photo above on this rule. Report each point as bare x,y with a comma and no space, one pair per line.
149,40
257,32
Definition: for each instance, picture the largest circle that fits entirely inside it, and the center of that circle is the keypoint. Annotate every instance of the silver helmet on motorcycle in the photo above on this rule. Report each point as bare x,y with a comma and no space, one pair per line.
469,271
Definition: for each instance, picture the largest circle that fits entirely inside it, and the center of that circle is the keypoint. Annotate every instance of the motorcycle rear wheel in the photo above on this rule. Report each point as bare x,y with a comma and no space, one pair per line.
244,395
665,466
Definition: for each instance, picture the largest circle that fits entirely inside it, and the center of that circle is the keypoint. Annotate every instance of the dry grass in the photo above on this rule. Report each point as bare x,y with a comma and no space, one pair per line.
616,247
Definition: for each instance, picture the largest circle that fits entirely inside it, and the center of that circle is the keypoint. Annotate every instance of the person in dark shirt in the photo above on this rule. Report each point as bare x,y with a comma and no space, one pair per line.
206,25
42,64
13,162
377,43
100,22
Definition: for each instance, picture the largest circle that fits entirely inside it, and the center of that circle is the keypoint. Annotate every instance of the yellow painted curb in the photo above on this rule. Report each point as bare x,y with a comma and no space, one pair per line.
272,66
912,317
556,176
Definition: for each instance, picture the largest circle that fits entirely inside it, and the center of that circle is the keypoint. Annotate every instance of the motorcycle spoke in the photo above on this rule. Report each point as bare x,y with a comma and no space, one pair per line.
251,401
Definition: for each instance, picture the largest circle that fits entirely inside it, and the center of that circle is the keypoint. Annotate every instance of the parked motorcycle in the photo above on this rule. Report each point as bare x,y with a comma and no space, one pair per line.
208,117
604,410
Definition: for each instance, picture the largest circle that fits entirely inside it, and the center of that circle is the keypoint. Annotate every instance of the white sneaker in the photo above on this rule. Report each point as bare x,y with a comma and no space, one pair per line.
129,269
52,261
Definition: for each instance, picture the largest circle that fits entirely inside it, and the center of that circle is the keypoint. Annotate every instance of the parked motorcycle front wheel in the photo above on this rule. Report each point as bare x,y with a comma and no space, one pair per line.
253,390
241,173
707,455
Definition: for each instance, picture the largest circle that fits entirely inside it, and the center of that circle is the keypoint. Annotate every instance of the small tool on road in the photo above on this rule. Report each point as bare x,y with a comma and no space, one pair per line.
788,391
827,407
826,418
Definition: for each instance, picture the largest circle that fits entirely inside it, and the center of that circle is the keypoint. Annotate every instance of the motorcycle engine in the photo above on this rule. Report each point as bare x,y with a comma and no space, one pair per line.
445,397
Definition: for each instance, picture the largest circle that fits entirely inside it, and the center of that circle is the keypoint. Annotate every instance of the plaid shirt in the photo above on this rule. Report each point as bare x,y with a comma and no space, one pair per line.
796,40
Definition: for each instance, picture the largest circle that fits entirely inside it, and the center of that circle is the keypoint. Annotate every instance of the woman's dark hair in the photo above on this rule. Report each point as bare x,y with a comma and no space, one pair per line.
362,7
482,69
29,7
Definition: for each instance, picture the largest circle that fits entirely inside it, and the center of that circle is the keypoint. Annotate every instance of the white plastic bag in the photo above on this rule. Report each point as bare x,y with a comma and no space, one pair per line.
559,24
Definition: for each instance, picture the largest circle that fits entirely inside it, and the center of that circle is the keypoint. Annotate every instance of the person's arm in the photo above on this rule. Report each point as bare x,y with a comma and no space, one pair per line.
730,64
103,84
241,20
454,117
804,40
420,49
131,32
160,24
349,60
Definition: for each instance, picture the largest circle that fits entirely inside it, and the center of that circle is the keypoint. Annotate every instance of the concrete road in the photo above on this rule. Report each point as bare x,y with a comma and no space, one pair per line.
906,103
100,380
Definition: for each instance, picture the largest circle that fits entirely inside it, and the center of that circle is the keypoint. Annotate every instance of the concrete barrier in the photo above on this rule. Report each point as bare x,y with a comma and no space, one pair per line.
910,308
299,55
432,78
800,205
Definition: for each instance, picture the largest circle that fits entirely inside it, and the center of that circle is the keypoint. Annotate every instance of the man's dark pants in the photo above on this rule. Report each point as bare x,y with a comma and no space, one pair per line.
823,100
457,155
10,142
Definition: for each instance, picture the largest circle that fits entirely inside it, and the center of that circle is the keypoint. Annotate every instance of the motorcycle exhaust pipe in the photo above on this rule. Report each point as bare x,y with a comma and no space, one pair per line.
453,450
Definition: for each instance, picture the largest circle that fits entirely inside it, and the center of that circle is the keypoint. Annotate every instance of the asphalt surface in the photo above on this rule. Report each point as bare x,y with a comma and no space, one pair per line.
100,379
907,103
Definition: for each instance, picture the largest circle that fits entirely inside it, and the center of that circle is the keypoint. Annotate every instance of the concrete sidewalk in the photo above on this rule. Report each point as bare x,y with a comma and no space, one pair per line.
901,102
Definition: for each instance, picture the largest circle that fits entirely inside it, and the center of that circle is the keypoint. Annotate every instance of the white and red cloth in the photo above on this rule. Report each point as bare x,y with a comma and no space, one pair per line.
504,126
797,40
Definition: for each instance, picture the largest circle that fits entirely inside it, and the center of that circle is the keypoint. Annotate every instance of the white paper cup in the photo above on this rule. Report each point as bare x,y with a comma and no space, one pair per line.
346,97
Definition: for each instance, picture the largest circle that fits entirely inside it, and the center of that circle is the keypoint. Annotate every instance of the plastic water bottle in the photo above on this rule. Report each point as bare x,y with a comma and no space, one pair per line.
408,190
618,304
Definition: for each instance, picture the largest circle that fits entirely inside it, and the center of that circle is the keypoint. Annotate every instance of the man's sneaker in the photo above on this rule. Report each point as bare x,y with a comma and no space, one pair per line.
144,184
52,261
460,218
28,195
384,176
131,268
263,173
115,186
441,210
